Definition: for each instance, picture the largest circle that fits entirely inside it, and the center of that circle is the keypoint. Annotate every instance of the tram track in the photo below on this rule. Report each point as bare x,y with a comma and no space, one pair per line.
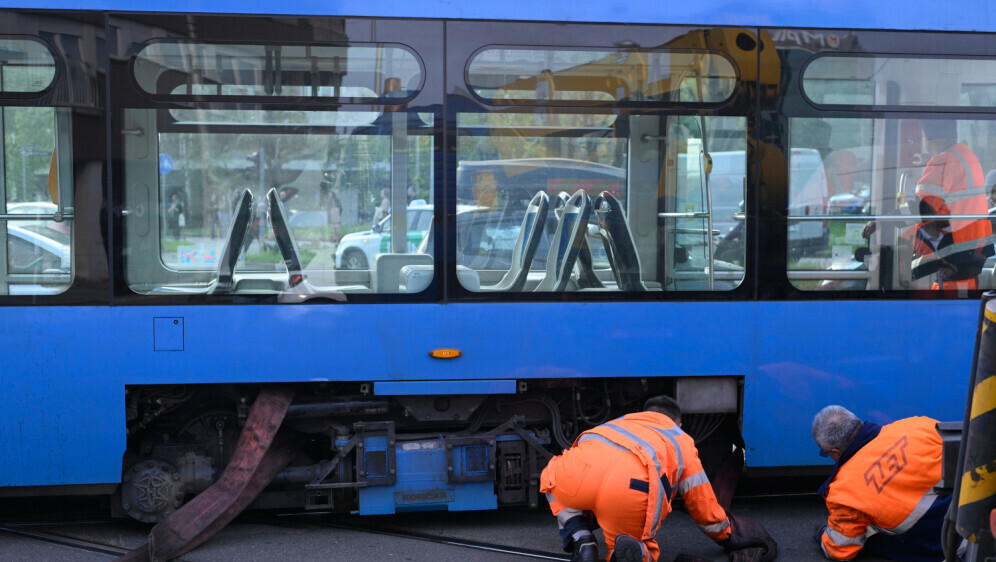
297,519
63,540
285,520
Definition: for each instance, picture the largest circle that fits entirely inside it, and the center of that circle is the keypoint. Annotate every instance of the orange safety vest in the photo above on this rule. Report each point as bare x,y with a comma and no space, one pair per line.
673,466
887,486
953,184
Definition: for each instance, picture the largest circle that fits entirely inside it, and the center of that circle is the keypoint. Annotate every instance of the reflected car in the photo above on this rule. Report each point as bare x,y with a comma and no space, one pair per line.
37,208
35,250
357,250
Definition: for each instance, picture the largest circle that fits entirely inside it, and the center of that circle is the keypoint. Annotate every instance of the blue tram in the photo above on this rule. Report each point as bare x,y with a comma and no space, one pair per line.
624,202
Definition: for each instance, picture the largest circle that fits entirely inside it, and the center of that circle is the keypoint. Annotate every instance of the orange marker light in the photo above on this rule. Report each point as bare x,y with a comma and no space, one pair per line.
445,353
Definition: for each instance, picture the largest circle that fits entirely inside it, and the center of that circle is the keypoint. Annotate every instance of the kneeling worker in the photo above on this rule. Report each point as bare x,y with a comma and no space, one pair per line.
881,493
625,473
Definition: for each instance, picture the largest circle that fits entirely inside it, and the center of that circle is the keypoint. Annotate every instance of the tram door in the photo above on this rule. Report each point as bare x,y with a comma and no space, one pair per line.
36,195
687,192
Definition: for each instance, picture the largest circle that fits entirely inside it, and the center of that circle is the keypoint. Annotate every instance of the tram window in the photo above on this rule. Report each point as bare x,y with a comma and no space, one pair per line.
659,214
352,73
851,80
329,171
37,247
25,66
866,172
563,76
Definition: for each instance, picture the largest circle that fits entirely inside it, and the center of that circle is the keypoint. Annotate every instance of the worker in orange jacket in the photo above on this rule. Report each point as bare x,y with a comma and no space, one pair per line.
952,183
626,473
881,493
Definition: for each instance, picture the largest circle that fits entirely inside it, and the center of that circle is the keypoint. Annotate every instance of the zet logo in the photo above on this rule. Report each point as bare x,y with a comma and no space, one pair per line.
891,463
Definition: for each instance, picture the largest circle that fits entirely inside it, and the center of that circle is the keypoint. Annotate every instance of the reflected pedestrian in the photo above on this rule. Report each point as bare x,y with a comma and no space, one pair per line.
174,216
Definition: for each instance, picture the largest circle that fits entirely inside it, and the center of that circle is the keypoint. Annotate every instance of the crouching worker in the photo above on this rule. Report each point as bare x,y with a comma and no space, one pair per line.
881,493
625,473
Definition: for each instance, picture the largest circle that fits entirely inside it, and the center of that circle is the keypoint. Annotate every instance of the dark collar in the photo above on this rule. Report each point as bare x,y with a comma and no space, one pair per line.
868,431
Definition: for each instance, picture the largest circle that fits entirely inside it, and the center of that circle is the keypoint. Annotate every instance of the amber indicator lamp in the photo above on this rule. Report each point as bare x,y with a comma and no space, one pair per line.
445,353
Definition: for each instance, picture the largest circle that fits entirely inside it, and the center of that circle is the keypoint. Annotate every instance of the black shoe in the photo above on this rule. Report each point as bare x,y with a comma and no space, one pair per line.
585,551
627,549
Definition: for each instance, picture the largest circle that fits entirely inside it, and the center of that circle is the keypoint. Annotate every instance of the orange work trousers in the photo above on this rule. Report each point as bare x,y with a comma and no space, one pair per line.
597,477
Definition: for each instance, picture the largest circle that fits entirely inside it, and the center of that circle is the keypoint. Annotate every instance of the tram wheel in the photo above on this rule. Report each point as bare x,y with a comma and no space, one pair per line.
151,489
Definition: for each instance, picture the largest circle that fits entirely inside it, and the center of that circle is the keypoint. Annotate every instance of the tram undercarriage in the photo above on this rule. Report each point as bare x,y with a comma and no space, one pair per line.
369,454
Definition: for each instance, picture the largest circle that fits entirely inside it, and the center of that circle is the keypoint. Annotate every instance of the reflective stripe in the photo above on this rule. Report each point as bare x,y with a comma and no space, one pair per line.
716,527
919,511
966,246
841,540
652,453
931,189
969,178
949,197
971,189
566,515
671,434
691,482
967,194
603,439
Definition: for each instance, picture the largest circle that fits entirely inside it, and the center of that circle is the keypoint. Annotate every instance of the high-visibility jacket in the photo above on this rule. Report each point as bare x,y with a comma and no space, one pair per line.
886,486
953,184
673,466
966,270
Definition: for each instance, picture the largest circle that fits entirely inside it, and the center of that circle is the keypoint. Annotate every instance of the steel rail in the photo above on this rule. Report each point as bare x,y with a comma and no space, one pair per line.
69,542
438,539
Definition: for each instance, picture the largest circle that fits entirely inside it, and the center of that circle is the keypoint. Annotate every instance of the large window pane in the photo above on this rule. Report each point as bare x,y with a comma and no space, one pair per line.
865,194
37,248
330,192
657,209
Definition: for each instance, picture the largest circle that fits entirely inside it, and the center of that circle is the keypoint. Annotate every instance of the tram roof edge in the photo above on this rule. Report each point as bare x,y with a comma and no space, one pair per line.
972,15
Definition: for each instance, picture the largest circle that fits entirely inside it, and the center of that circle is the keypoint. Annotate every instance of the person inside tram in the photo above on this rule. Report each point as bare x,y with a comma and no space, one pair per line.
624,474
953,249
991,190
896,511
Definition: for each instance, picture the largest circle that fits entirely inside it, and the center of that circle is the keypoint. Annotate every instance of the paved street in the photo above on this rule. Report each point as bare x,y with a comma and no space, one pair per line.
263,537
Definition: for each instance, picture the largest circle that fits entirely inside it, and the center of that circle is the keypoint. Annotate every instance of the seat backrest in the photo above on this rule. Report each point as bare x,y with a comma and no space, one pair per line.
618,240
572,225
528,240
387,278
285,240
238,228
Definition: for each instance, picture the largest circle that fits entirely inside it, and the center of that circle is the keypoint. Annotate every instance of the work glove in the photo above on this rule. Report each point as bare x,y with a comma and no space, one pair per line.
734,542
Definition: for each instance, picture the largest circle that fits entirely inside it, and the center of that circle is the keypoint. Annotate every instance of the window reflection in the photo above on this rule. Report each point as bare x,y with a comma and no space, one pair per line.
882,185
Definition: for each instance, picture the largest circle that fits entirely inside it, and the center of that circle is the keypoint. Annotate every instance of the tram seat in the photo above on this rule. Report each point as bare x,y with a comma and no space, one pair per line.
388,270
238,229
987,277
613,228
416,278
572,227
526,244
285,239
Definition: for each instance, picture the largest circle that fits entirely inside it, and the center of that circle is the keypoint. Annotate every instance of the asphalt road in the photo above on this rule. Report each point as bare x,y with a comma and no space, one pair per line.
271,537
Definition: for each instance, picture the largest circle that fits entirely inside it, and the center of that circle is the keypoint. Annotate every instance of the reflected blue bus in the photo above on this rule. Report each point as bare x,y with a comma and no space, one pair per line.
153,303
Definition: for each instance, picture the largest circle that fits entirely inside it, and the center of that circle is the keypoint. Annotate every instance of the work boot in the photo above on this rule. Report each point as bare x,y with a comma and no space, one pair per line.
627,549
585,550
